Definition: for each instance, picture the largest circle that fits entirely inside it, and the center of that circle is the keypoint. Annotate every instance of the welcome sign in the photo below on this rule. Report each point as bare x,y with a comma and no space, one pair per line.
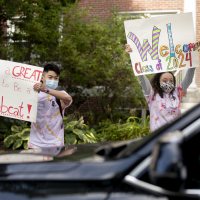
161,44
17,98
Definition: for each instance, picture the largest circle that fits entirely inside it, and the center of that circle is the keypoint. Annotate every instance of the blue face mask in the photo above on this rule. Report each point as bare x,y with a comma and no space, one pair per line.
51,84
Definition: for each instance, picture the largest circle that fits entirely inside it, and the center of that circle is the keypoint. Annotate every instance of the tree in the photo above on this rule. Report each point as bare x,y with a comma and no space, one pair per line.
36,36
92,54
36,25
8,10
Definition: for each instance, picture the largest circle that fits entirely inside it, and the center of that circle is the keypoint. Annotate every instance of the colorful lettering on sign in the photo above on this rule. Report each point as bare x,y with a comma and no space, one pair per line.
29,109
171,43
146,47
141,69
16,87
8,110
4,84
159,65
26,73
172,60
178,56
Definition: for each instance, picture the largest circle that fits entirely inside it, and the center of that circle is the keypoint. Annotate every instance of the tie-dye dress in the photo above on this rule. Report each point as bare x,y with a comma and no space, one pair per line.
48,131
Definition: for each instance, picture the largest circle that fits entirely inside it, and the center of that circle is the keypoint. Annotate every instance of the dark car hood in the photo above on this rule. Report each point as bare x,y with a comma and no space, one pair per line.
105,151
75,162
69,152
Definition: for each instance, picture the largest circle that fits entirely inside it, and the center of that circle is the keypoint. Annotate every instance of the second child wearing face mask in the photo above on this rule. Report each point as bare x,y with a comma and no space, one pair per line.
48,131
164,97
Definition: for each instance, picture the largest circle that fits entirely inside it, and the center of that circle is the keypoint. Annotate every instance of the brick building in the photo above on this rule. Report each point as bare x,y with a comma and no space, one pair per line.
104,8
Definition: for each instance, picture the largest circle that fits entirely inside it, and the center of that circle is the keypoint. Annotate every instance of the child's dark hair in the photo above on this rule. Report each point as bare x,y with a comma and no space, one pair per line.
155,82
52,67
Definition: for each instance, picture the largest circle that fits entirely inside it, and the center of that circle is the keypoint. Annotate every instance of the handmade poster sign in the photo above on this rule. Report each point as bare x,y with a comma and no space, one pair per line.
17,98
159,44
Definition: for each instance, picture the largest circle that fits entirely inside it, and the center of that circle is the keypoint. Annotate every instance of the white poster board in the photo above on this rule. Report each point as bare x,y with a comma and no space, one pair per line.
160,44
17,98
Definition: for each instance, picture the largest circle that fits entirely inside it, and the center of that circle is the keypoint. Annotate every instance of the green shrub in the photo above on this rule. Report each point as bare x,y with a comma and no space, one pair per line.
134,127
17,138
77,132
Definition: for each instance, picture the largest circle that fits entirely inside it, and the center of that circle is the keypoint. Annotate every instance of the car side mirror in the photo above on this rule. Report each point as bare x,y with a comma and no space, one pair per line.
167,168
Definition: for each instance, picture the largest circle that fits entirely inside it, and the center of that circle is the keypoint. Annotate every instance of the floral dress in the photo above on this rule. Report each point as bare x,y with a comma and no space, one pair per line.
163,110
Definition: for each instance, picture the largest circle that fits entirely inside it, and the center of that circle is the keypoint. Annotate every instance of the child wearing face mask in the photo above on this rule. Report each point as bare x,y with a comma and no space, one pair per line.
163,96
48,130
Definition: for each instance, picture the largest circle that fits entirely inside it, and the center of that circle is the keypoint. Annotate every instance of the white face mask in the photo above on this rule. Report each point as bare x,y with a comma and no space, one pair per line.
51,84
167,87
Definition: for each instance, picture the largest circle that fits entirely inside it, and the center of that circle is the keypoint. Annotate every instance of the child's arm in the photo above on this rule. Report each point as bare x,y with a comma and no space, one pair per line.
187,79
146,85
63,96
144,81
